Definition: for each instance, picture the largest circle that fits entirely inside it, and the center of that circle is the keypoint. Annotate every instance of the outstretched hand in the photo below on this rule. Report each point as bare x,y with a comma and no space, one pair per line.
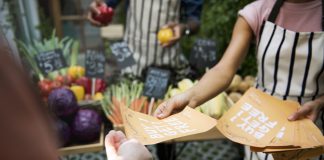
173,105
118,147
309,110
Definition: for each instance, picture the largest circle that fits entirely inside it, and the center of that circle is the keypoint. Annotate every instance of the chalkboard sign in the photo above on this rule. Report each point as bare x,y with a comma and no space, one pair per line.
203,54
50,61
156,83
122,54
95,64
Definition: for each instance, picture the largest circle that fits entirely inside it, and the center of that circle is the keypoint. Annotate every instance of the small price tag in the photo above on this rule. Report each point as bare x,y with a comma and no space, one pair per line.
50,61
95,64
156,83
122,54
203,54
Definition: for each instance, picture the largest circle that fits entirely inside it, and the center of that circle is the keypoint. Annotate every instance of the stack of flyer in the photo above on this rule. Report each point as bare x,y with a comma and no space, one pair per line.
260,121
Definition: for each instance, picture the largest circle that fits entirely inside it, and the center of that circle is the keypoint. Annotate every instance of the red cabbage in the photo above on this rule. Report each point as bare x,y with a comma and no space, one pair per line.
62,102
86,126
64,132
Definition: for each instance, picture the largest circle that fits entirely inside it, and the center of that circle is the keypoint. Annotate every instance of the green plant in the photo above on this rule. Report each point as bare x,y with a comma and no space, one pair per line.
45,26
217,21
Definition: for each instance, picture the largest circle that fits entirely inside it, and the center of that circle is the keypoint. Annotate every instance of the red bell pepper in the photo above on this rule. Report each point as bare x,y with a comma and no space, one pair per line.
100,85
86,83
105,16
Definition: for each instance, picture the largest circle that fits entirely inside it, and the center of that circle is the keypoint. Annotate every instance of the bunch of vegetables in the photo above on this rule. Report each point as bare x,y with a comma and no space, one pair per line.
215,107
239,85
72,77
29,51
128,94
73,124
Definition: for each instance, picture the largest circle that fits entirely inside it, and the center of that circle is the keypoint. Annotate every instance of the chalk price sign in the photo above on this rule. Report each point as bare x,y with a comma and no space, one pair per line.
122,54
203,54
50,61
95,64
156,83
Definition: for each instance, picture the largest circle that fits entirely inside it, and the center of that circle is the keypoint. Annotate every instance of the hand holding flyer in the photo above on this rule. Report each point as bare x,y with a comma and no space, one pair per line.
150,130
260,121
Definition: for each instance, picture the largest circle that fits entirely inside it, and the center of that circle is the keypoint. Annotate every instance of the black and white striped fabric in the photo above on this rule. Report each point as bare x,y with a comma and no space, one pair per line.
144,19
290,65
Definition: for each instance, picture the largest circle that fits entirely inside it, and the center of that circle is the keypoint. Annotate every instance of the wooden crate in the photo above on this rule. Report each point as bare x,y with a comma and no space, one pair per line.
93,147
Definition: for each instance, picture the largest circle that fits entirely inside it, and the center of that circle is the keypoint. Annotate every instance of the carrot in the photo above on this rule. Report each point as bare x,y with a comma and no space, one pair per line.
145,106
115,102
134,105
112,120
117,114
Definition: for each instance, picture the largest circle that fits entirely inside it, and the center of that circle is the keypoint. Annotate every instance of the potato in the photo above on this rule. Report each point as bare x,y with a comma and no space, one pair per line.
235,83
235,96
249,77
250,80
243,86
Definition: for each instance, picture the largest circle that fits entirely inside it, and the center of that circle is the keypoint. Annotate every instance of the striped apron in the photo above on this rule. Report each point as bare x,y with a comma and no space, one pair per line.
290,64
144,19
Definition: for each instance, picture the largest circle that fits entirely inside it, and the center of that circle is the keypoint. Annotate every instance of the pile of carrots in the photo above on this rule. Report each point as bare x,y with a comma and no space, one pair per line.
127,94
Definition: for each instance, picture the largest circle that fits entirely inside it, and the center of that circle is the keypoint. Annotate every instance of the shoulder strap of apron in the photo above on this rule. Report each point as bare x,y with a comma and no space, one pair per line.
275,11
276,8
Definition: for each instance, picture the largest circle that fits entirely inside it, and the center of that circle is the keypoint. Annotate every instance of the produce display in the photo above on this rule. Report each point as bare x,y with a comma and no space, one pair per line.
215,107
128,94
238,86
63,89
72,77
73,124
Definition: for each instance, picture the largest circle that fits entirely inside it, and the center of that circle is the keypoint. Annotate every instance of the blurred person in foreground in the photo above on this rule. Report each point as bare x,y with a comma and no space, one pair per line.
25,132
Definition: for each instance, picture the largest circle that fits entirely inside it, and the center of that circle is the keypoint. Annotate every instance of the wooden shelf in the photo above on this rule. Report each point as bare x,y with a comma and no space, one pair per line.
93,147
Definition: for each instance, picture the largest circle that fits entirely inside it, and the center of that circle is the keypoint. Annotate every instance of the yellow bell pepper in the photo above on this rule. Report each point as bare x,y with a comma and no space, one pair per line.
78,92
98,96
76,71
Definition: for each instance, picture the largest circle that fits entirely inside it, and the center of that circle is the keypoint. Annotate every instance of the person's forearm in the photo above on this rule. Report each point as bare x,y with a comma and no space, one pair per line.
213,82
219,77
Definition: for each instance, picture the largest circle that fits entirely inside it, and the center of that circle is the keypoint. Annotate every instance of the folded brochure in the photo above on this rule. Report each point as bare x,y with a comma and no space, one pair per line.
150,130
260,121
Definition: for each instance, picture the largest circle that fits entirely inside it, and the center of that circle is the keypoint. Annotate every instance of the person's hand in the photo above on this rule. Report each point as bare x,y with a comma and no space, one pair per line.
119,148
173,105
93,10
309,110
177,29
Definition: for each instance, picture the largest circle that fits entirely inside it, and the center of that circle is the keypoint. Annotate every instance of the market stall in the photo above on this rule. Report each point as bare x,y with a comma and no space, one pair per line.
139,66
